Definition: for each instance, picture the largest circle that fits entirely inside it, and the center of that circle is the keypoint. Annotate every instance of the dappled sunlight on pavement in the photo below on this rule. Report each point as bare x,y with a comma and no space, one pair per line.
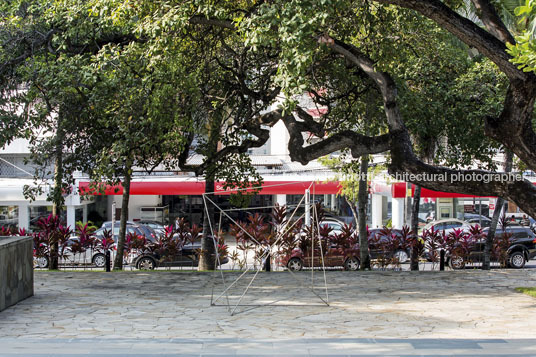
453,304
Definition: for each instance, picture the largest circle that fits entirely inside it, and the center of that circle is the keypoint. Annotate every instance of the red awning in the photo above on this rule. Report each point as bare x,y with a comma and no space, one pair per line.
398,190
198,188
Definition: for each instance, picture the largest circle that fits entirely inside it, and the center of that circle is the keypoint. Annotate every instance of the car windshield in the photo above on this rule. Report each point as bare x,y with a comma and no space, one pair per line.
450,225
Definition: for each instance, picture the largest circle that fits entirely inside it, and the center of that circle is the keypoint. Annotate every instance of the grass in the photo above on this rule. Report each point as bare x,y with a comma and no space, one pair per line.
528,291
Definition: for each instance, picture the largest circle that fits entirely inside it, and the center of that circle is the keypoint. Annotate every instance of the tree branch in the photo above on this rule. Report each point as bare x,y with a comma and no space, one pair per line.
202,20
467,31
488,14
357,143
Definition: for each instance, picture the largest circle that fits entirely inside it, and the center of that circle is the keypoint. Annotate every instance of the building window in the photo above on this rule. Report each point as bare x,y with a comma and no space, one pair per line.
9,217
38,212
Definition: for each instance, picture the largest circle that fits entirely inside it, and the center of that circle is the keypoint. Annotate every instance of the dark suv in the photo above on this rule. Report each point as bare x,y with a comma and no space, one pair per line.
188,256
522,248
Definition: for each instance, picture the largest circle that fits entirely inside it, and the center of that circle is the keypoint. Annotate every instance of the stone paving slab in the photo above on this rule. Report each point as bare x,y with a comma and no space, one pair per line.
371,313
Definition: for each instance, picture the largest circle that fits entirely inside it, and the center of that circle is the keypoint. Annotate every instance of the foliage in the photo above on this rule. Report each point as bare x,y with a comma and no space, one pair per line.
501,245
6,231
528,291
86,239
170,244
524,50
104,243
435,240
346,242
254,234
388,242
460,243
50,231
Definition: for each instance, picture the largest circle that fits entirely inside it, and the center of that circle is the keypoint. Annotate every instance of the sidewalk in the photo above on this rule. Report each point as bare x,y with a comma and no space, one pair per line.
252,347
373,313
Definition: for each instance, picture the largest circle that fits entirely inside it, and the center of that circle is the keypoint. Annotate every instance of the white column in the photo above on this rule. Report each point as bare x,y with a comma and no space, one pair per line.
84,213
397,213
333,202
376,211
71,217
280,199
24,216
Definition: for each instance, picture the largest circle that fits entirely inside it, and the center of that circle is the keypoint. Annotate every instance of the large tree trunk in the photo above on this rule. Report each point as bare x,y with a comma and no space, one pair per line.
362,214
486,263
118,262
415,227
57,194
207,258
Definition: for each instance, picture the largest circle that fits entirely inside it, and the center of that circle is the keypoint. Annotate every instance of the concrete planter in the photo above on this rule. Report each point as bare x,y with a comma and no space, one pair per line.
16,270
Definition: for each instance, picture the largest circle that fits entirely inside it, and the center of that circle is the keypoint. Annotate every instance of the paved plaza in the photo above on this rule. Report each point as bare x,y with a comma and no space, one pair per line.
462,313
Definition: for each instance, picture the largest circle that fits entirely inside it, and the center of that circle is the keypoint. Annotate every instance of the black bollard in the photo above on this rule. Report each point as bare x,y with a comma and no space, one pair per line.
107,257
267,266
442,259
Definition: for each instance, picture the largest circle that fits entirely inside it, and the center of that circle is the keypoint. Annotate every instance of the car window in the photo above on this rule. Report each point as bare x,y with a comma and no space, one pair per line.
335,226
384,239
439,226
451,225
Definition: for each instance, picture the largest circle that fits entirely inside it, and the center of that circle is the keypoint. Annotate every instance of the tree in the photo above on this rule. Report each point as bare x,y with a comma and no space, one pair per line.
304,35
265,50
353,177
108,106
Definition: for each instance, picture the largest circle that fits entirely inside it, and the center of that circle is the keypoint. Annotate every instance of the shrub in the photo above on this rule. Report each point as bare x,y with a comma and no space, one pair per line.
50,231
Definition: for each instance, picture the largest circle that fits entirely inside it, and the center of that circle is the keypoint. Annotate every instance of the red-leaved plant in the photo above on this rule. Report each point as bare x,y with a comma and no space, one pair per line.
434,241
460,244
50,231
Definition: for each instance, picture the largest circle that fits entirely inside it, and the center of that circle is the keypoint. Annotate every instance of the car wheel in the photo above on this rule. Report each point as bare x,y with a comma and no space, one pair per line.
401,256
351,264
99,260
456,262
295,264
517,260
146,263
41,262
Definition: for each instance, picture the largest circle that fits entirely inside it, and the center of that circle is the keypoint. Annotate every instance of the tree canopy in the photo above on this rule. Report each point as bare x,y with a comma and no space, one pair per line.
420,71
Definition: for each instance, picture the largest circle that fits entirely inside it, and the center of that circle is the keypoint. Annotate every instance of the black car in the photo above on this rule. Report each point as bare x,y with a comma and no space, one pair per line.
187,257
482,221
521,249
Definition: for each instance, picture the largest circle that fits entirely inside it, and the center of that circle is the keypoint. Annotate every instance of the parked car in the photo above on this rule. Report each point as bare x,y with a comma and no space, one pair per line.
333,258
377,246
188,256
448,225
154,225
334,255
93,256
522,247
482,221
132,227
334,224
518,219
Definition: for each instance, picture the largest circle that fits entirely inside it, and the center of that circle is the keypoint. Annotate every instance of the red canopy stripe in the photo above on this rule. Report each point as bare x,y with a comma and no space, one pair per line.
198,188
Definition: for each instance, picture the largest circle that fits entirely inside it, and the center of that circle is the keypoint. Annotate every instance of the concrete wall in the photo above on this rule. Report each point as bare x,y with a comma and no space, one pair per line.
16,270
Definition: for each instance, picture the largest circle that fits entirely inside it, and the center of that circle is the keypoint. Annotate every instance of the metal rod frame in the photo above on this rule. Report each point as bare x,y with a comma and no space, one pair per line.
264,256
